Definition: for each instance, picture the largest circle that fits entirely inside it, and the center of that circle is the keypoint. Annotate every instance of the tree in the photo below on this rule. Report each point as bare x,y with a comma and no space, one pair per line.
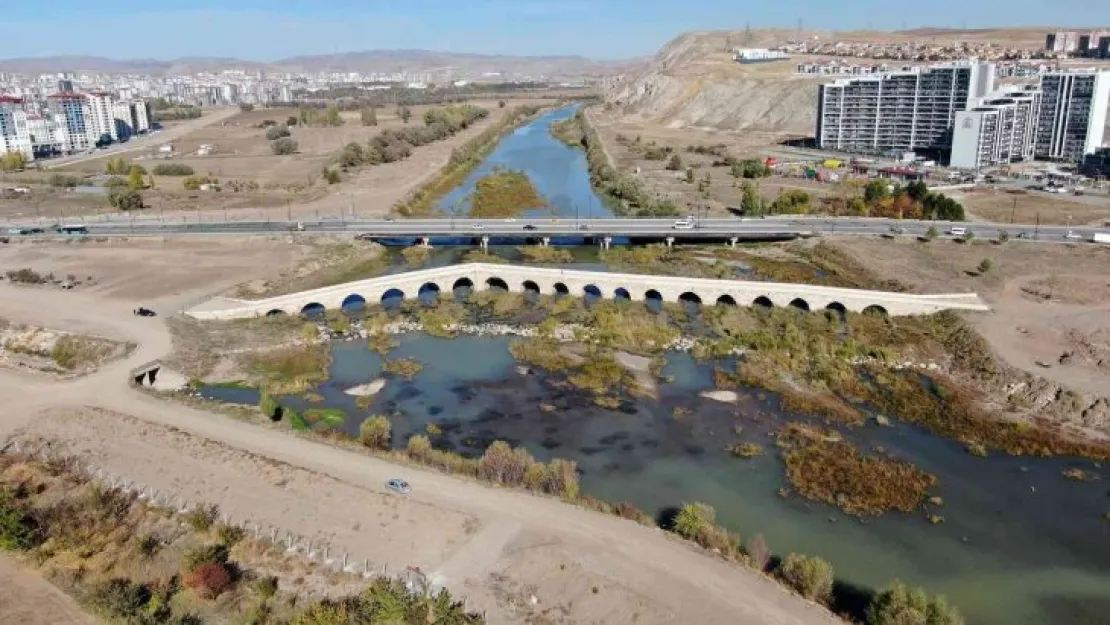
692,519
284,146
791,202
917,190
675,164
12,161
405,114
369,116
876,190
751,168
18,529
331,116
900,605
135,179
984,266
931,233
276,132
811,576
125,199
750,202
118,166
375,432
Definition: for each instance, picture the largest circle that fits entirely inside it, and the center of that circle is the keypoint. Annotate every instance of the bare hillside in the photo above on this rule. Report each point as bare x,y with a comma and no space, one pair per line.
693,81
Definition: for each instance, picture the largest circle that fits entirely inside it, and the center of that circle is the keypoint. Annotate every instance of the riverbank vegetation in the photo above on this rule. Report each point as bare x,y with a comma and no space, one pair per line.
290,370
626,194
464,160
504,193
128,561
544,254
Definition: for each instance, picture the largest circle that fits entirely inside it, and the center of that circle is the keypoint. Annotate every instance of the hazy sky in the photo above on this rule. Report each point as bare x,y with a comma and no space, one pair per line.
266,30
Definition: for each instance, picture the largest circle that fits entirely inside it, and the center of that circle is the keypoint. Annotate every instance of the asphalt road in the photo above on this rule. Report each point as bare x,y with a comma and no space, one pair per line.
713,229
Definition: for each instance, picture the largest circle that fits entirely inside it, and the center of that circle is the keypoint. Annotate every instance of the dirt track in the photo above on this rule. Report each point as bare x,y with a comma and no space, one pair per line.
498,548
28,599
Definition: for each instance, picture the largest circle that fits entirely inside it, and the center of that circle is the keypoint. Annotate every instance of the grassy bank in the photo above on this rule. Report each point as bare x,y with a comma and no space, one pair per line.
127,561
464,160
504,193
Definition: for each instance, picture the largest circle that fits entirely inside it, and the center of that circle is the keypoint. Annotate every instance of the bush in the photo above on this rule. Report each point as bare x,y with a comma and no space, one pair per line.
64,181
331,175
284,146
18,529
208,579
811,576
759,554
418,446
266,586
276,132
119,598
202,518
376,432
208,553
125,199
899,605
194,183
172,169
675,164
269,406
984,265
114,181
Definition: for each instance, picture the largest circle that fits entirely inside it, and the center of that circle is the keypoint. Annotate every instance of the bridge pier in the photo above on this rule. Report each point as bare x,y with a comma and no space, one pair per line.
425,241
605,242
485,243
732,242
670,242
545,241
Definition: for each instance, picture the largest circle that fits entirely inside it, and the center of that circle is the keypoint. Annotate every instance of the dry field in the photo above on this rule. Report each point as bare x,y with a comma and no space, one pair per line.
1034,206
1051,303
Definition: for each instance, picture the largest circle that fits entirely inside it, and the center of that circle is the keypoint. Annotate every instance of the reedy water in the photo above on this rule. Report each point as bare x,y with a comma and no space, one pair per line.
1020,543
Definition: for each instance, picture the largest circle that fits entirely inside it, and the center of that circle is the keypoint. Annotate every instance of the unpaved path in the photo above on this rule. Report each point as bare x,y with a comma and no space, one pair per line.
579,565
28,599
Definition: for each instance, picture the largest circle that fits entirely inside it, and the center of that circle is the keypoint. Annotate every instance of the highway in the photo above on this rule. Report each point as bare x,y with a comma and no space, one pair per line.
636,229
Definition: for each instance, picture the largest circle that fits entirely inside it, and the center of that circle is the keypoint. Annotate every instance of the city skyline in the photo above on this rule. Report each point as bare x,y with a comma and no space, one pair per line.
267,31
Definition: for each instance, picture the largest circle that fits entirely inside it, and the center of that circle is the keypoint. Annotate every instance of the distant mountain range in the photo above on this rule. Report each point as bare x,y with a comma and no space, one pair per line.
365,61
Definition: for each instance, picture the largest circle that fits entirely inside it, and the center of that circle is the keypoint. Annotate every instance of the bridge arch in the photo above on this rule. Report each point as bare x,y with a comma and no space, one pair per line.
763,302
690,297
393,297
313,309
726,300
592,290
561,289
877,310
799,304
837,308
621,293
429,293
462,283
353,302
277,312
493,282
653,294
530,286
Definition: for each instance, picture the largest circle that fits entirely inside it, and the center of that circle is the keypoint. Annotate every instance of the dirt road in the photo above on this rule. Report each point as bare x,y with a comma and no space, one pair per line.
28,599
511,554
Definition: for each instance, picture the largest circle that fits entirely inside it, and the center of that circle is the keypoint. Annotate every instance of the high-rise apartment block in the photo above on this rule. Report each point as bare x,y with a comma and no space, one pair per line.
903,111
1062,42
1072,115
14,132
1001,129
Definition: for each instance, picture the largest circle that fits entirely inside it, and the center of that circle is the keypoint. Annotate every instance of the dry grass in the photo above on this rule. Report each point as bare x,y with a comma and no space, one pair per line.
1033,206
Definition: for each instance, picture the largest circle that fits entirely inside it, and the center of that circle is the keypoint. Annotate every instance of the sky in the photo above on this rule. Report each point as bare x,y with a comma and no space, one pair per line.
268,30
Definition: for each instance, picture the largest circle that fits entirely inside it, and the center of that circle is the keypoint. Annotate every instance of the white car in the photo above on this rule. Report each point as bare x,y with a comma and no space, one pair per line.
1071,235
683,224
477,227
957,231
399,486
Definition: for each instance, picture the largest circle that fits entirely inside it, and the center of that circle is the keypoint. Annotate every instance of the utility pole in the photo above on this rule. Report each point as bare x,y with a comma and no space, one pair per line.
1013,211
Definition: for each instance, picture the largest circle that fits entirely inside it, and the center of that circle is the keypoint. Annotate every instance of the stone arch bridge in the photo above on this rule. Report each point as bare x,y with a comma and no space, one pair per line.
551,281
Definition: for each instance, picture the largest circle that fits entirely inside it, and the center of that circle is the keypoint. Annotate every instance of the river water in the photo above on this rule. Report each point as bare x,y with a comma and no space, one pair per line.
1019,542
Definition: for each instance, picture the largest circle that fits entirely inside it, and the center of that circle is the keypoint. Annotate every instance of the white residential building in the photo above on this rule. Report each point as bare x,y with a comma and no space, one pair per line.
123,121
903,110
1001,129
71,111
1072,116
102,118
140,115
14,135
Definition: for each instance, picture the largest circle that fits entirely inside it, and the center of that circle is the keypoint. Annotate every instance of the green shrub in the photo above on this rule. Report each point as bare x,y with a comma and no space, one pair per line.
201,518
692,519
269,406
229,535
266,586
276,132
900,605
811,576
284,146
125,199
296,420
119,598
18,529
376,432
172,169
418,446
208,553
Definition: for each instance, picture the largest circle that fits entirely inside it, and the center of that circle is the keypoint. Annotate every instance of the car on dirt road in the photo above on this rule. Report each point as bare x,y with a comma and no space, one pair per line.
529,227
399,486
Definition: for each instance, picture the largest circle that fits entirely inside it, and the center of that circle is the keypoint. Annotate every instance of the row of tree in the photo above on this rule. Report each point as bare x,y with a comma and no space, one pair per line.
397,144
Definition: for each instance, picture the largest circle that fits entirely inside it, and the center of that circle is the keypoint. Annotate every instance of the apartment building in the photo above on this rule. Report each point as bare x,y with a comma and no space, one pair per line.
1001,129
904,110
71,112
1062,41
1072,115
14,136
102,117
1089,43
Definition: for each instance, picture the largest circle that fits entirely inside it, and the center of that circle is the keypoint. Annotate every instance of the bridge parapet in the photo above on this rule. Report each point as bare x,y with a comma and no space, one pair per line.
638,287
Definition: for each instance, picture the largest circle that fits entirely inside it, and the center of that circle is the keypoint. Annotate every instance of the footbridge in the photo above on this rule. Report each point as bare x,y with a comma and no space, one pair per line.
550,281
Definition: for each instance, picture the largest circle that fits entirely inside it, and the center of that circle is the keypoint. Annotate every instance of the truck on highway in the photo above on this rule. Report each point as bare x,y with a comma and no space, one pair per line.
1100,237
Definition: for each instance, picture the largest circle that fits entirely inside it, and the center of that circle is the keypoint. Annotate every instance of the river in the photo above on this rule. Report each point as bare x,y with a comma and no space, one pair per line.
1019,542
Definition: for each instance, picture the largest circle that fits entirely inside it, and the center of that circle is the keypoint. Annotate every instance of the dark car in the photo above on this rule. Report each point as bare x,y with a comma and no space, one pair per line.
583,227
143,312
529,227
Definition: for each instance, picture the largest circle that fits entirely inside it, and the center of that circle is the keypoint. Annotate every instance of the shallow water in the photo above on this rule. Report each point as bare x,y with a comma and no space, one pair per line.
1020,543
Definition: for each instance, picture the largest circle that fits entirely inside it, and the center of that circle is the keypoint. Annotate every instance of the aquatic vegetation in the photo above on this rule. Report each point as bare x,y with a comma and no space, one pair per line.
601,374
632,329
325,418
376,432
1079,475
404,367
296,421
290,370
900,605
544,254
382,342
439,319
811,576
338,321
479,256
746,450
822,467
501,304
416,256
543,353
504,193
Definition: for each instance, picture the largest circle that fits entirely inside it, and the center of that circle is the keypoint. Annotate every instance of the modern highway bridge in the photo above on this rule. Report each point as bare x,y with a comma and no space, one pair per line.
552,281
536,230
